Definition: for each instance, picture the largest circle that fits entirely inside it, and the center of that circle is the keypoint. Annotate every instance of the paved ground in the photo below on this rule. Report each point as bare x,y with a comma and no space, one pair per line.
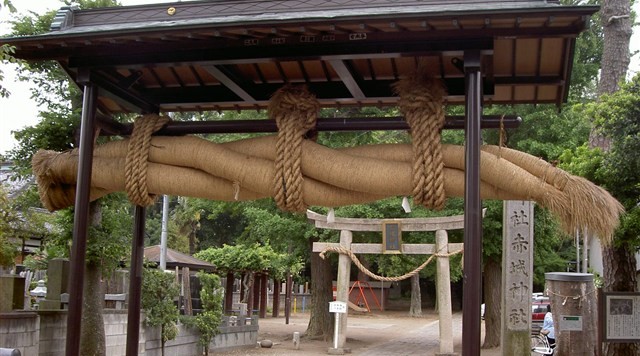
375,334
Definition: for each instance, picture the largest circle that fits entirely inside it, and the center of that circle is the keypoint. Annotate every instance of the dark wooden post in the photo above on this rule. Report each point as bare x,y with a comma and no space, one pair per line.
257,280
228,293
276,298
81,214
135,282
242,276
264,284
287,299
251,295
472,278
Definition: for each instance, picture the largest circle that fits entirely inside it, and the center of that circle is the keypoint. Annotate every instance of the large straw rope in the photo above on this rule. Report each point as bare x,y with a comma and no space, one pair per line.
344,251
295,110
421,104
137,158
331,177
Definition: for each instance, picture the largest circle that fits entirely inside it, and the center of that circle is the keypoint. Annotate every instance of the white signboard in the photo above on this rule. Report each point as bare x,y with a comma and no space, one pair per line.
622,317
571,322
337,307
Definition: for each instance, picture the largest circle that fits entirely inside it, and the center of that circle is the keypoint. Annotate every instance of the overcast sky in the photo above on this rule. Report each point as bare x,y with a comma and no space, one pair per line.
19,110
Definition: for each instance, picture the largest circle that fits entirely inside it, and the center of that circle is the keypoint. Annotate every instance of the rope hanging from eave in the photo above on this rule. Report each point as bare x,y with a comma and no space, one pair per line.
137,158
295,111
421,103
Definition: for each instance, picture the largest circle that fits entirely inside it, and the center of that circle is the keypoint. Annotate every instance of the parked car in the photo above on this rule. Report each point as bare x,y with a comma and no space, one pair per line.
538,311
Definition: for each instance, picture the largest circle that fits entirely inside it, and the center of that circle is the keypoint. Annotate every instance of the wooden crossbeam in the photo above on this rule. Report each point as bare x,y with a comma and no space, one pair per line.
409,224
372,248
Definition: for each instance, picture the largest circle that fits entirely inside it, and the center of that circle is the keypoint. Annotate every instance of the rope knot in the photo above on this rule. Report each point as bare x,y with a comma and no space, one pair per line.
294,110
421,101
136,163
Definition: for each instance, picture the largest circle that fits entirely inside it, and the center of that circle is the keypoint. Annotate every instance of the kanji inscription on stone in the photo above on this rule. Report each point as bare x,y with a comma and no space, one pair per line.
517,249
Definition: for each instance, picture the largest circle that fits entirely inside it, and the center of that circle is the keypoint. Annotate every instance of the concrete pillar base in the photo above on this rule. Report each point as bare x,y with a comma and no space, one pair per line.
338,351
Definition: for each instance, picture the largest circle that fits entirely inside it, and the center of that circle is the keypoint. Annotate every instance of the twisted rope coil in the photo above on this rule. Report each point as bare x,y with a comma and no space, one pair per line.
578,297
137,158
295,110
421,102
356,261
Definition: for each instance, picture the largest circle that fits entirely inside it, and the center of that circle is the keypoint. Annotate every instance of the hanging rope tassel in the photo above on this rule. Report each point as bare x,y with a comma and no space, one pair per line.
421,103
295,111
136,163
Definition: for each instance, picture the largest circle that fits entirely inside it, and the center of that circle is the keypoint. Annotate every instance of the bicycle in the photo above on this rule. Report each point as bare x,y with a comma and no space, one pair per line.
540,345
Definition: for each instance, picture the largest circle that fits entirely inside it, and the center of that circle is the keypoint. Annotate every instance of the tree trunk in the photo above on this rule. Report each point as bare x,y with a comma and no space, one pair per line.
619,261
92,337
320,322
415,310
616,28
620,276
492,299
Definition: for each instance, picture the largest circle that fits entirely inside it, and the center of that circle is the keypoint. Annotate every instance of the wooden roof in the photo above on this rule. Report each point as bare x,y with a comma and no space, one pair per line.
218,55
177,259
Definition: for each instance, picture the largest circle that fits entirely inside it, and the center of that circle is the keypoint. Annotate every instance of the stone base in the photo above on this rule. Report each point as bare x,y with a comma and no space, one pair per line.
338,351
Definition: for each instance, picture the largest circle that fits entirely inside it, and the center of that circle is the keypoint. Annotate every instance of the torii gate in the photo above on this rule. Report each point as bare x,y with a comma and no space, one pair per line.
442,248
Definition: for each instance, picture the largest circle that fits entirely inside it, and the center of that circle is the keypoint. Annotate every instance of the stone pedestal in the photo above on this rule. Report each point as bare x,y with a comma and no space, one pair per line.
11,292
575,314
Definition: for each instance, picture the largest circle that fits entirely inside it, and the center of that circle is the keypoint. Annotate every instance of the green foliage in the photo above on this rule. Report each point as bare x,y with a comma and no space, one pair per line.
108,243
584,161
209,319
8,216
158,293
176,239
587,57
36,261
254,258
19,221
6,56
618,170
544,132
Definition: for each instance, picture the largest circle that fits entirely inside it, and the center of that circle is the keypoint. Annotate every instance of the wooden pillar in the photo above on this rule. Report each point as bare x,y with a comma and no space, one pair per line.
135,282
517,276
81,214
263,294
472,277
251,295
257,280
276,298
574,310
342,289
186,287
228,293
443,288
287,299
242,277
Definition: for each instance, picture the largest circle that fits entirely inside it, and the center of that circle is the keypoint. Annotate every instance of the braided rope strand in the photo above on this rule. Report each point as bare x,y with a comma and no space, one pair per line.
361,267
294,109
137,158
421,104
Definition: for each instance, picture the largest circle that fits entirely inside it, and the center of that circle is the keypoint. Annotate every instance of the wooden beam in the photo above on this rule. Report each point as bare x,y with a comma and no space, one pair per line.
348,78
408,224
229,83
372,248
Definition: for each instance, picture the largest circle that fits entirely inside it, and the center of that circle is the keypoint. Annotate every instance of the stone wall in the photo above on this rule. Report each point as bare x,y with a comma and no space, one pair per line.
43,333
20,330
